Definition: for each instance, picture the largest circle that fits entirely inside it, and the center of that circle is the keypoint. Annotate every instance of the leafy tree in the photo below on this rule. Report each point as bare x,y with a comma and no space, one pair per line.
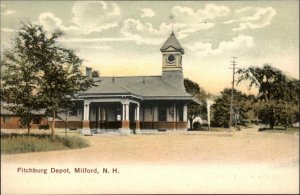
21,79
278,95
242,107
50,73
195,109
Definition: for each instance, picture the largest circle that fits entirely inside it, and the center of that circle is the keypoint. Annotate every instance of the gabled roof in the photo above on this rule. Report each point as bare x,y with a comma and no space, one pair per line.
173,43
145,87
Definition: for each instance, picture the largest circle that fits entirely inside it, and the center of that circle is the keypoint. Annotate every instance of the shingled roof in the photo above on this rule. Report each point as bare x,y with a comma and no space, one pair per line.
172,42
144,87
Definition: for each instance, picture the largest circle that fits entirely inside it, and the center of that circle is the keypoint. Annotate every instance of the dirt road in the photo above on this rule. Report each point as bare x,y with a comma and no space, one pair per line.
246,146
247,161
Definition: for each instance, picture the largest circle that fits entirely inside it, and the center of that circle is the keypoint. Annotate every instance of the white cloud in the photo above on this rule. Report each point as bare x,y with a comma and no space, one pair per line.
97,47
211,11
237,44
9,30
51,22
8,12
102,39
95,16
187,21
253,17
88,17
147,12
144,33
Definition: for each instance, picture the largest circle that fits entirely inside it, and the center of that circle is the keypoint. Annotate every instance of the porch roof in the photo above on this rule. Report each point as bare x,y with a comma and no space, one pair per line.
146,87
4,111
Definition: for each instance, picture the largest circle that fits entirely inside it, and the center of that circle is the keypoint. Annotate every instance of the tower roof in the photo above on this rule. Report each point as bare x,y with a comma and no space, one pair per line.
172,42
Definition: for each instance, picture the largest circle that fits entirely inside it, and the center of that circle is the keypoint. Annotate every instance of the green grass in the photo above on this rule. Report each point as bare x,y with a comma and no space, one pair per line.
281,129
22,143
217,129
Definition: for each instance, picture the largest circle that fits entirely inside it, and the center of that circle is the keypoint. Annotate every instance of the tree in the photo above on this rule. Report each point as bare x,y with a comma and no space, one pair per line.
242,107
195,109
20,81
278,95
50,73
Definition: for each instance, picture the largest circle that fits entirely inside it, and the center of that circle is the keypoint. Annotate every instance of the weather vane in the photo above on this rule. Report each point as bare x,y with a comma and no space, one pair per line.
172,17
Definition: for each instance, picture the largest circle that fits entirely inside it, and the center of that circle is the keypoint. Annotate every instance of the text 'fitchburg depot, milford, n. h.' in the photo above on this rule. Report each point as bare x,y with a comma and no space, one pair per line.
67,170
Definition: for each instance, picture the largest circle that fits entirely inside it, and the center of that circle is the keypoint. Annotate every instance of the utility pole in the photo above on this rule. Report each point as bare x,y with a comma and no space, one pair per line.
232,89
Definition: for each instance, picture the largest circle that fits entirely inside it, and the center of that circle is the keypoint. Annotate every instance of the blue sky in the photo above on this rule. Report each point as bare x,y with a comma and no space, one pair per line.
124,37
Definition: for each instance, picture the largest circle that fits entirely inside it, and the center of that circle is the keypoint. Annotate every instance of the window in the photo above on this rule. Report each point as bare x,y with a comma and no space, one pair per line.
37,120
180,113
6,119
73,112
162,114
76,109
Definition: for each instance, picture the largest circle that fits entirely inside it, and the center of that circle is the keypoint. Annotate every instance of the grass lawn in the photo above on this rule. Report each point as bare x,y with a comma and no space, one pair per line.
15,143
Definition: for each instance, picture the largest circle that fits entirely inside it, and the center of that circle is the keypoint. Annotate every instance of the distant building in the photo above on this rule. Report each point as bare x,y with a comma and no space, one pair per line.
10,121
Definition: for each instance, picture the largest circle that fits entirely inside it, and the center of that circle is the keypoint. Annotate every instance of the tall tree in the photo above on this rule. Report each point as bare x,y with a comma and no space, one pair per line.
53,75
195,109
278,95
242,107
19,91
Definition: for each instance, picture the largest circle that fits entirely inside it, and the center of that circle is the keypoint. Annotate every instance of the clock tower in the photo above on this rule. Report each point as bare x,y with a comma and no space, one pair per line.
172,62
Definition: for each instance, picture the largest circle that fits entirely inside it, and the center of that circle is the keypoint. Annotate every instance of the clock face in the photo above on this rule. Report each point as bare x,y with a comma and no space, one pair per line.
171,58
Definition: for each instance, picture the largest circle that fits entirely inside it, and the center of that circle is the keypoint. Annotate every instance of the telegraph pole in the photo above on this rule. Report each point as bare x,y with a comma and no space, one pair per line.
233,63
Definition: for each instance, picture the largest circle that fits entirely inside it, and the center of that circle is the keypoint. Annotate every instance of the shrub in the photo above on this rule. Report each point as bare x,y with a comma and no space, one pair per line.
72,141
22,143
197,125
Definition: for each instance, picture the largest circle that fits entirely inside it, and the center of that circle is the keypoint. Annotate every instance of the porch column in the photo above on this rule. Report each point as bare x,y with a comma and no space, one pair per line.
127,112
174,117
99,129
123,112
185,119
86,118
137,119
125,119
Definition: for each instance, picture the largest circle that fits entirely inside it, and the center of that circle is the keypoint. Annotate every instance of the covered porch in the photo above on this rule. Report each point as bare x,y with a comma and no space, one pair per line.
132,116
119,114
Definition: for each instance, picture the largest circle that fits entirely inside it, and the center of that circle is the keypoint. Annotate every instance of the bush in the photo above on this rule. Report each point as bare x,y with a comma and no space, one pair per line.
21,143
72,141
197,125
45,127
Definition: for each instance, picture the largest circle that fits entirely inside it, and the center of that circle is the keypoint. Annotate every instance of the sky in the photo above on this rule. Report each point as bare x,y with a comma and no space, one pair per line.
123,38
